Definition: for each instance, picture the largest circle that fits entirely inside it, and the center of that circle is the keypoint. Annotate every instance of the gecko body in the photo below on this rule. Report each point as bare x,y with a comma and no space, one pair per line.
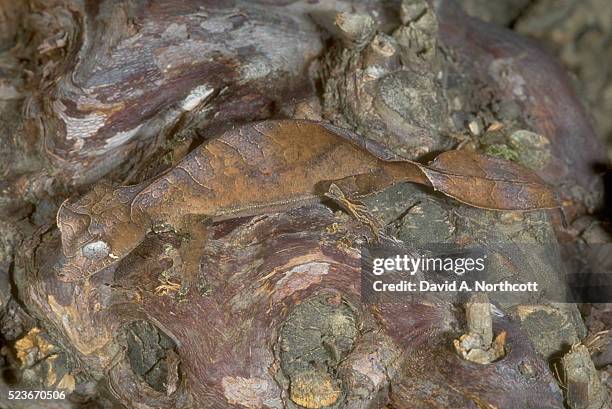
261,168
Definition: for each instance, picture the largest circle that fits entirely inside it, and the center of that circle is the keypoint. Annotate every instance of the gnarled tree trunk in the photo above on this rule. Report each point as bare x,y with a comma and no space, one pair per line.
121,90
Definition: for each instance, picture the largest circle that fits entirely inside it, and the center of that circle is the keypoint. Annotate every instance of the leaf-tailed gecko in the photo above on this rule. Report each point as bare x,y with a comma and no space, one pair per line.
266,167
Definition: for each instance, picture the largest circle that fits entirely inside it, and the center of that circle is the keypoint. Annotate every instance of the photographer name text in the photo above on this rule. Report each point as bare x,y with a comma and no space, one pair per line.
459,266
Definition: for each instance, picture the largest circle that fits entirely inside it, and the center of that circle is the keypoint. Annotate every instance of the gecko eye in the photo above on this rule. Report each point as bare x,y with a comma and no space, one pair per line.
96,250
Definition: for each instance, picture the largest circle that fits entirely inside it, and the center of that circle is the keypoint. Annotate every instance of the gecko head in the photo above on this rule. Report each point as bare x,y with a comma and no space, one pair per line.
95,234
87,261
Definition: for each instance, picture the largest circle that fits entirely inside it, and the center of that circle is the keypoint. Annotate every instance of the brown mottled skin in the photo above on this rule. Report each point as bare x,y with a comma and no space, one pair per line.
266,167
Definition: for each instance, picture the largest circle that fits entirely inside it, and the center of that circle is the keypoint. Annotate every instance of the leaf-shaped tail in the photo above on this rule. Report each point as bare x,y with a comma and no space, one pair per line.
489,183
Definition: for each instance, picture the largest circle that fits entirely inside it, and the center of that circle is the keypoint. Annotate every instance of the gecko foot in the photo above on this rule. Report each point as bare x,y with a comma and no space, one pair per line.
356,209
179,289
189,279
182,293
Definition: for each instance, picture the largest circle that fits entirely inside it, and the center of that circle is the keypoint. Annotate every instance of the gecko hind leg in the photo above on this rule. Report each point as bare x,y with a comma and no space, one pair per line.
355,208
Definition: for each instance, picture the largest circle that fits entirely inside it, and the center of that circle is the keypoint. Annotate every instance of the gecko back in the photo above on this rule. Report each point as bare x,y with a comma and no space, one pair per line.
254,168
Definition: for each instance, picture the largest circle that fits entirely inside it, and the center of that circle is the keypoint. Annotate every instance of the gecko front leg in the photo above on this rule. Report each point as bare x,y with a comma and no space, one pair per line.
192,231
194,237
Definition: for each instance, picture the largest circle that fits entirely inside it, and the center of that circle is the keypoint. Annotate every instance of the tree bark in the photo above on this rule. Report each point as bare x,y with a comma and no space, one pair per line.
120,90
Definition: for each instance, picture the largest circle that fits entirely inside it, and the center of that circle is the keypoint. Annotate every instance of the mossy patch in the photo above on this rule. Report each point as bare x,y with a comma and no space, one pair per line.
501,150
317,335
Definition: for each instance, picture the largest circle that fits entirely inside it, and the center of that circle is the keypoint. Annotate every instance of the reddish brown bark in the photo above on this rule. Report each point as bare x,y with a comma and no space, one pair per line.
278,321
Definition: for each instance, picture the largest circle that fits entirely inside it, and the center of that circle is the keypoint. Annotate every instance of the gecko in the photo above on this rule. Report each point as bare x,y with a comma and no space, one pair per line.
259,168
